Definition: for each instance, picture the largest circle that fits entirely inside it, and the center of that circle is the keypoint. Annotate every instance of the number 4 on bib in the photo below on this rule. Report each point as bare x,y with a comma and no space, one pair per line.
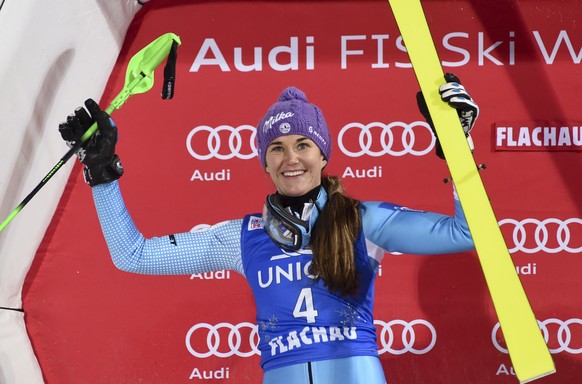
304,306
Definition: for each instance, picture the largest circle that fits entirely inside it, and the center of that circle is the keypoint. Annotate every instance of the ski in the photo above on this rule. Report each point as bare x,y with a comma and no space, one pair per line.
527,348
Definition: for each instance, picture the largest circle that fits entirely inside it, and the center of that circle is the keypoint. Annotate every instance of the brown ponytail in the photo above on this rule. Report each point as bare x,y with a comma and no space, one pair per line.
332,243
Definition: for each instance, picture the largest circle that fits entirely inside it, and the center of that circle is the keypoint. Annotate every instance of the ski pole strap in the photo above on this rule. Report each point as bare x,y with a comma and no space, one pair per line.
170,72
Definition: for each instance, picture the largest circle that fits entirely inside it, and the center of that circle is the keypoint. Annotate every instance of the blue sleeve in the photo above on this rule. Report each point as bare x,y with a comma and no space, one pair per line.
212,249
399,229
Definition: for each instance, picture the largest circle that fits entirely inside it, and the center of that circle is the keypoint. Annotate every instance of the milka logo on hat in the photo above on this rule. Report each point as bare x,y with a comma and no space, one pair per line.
273,119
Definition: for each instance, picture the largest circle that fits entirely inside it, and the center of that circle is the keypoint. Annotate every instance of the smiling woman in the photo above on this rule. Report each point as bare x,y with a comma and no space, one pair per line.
295,164
314,316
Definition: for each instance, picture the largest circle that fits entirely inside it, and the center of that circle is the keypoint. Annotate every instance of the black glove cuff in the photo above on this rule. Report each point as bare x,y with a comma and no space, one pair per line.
104,174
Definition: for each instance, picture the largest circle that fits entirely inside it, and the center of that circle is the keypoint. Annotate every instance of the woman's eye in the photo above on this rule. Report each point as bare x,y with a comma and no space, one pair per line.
303,146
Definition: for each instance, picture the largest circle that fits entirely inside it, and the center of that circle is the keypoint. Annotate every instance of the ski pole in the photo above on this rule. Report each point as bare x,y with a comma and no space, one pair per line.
139,78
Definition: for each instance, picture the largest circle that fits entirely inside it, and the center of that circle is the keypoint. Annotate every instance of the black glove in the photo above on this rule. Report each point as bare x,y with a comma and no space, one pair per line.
455,94
102,165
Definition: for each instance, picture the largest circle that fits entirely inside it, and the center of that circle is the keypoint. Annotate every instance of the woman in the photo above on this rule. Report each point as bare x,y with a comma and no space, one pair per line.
310,258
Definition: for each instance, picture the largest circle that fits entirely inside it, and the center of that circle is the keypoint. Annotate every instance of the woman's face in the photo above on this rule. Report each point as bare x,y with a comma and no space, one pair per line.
294,163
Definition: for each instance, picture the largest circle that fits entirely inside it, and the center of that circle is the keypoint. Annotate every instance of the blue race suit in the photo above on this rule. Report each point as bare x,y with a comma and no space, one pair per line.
300,322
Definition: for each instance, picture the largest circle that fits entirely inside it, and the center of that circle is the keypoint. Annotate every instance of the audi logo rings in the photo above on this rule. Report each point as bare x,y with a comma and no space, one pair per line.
408,336
214,142
563,336
541,235
234,340
387,139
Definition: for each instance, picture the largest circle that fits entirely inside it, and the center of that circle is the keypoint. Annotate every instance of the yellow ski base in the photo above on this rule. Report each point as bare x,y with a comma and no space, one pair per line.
528,351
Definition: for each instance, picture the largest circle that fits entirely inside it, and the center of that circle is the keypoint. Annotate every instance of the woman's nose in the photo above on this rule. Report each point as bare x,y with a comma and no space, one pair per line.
291,157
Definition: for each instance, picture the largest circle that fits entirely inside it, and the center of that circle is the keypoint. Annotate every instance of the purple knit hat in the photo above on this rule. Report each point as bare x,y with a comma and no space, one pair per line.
292,114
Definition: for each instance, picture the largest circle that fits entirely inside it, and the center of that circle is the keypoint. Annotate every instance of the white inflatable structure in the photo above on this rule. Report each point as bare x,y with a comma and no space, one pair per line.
53,54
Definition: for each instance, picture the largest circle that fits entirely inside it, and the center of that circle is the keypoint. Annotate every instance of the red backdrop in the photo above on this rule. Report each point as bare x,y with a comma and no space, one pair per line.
190,161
